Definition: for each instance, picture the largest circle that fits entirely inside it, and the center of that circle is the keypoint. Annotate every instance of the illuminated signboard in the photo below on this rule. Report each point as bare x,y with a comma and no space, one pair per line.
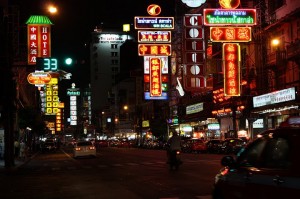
38,38
217,17
147,96
275,97
154,49
231,57
194,45
164,64
195,108
155,77
73,93
154,36
47,64
39,78
52,99
154,10
154,23
230,34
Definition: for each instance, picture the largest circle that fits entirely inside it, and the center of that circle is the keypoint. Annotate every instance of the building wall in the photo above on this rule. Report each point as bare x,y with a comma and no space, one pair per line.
105,65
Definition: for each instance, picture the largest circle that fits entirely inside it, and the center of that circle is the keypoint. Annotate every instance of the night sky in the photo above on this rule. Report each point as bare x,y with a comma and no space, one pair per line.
76,19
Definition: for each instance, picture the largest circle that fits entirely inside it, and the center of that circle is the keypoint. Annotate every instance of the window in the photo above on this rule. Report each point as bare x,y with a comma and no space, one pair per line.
276,154
114,54
251,157
114,62
115,69
114,46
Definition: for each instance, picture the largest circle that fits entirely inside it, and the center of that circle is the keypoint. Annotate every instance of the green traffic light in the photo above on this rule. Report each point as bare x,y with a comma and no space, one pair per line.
68,61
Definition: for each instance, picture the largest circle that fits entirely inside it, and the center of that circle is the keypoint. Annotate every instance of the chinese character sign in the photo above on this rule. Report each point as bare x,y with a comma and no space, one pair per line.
39,42
38,38
231,60
155,77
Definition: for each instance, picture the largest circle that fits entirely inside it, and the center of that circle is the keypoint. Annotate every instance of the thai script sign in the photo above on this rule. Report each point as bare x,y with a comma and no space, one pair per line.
275,97
217,17
154,22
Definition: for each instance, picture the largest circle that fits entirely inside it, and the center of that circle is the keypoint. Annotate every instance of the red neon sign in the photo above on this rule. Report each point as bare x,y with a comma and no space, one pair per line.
231,57
39,42
154,49
154,36
155,77
230,34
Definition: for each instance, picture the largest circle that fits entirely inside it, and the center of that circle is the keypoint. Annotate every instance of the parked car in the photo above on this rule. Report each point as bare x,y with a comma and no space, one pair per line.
83,149
213,145
231,145
267,167
193,146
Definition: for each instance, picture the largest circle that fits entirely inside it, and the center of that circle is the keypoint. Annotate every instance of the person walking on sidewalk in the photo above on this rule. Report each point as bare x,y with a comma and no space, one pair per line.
17,148
22,150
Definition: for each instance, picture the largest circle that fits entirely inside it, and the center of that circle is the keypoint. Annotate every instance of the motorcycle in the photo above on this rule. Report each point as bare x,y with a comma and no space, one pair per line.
174,159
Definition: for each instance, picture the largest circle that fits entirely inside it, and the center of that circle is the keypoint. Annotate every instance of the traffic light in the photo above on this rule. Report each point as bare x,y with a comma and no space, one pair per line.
68,61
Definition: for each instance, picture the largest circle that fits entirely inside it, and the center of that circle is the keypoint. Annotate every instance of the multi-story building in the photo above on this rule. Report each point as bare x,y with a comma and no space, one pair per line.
276,68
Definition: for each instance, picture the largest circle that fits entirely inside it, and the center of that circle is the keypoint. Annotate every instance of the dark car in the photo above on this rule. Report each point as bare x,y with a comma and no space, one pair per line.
48,146
231,145
213,145
267,167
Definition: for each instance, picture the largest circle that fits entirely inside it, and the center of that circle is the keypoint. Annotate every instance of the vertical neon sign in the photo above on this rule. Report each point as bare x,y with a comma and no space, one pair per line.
231,60
155,77
38,38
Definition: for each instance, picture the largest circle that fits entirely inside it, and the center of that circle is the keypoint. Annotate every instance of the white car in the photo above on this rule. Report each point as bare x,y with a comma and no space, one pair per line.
84,148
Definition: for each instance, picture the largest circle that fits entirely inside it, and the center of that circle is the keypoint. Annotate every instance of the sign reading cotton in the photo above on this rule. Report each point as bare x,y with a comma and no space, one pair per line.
193,3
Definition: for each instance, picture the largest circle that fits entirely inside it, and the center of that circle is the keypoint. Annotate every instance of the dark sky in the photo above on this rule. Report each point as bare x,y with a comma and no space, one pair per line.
76,19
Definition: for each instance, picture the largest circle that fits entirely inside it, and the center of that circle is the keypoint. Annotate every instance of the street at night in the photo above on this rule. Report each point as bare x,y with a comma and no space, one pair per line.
115,173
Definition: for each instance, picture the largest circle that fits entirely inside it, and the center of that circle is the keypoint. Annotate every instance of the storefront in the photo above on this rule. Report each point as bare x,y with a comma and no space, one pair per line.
273,108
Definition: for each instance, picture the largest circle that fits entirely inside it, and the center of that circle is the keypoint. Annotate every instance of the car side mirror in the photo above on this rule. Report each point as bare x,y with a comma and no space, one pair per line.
227,161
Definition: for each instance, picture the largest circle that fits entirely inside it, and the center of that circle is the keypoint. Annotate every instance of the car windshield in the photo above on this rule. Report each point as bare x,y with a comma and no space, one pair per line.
84,144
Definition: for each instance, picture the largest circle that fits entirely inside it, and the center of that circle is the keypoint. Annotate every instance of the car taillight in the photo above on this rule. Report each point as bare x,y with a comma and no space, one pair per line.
177,152
77,149
224,171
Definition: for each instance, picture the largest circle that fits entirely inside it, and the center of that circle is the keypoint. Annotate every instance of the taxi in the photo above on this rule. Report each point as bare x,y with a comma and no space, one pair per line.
267,167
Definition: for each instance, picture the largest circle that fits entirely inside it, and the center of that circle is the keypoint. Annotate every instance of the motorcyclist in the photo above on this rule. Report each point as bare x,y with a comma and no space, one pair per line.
174,144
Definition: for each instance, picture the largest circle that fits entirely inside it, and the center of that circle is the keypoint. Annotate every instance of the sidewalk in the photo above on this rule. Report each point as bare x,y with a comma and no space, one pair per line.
18,162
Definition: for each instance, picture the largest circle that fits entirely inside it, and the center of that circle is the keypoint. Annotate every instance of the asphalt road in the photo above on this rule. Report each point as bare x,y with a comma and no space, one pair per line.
128,173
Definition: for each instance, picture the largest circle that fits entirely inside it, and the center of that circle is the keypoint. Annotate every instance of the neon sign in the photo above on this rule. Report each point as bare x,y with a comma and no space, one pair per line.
154,36
231,57
38,38
155,77
154,22
217,17
231,34
154,49
39,78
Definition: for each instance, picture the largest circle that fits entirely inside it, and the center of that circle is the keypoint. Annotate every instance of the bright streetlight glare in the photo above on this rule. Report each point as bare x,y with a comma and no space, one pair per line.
275,42
52,9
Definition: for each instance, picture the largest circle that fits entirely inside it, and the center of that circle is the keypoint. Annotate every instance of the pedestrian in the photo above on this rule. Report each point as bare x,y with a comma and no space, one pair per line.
22,150
17,148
